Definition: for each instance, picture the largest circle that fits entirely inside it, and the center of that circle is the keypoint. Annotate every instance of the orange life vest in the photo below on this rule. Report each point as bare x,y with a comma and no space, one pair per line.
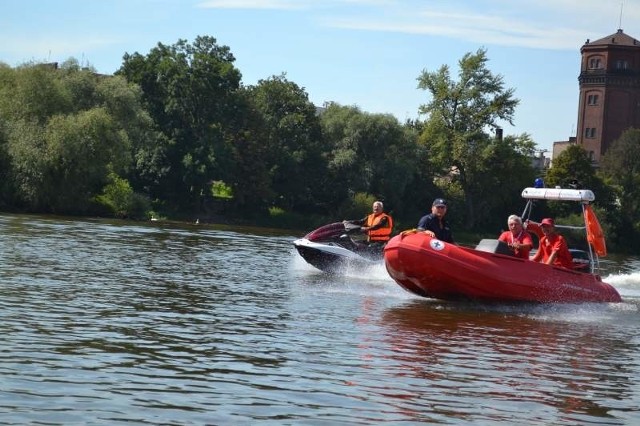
381,234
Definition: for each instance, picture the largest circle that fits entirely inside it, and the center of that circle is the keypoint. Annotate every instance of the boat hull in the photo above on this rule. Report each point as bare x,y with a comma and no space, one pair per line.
432,268
332,258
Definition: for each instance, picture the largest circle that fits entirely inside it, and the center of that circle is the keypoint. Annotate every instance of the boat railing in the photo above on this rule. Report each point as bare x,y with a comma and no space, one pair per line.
583,196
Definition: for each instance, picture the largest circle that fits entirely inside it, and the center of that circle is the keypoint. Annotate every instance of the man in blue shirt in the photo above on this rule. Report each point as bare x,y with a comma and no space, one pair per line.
434,224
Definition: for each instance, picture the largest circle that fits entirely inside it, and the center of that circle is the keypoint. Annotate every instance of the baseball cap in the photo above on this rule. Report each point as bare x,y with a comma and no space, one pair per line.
547,221
439,202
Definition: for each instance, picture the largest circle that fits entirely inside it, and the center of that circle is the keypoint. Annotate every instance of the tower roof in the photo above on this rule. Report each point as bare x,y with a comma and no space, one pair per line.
617,39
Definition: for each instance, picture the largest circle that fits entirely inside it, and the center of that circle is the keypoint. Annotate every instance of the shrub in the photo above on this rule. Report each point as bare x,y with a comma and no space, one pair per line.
121,201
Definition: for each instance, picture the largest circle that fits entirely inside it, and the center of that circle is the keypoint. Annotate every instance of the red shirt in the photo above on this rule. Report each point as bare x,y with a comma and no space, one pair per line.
523,238
555,242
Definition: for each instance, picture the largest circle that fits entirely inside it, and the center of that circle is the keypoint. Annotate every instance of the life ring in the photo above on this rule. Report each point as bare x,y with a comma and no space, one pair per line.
533,228
595,236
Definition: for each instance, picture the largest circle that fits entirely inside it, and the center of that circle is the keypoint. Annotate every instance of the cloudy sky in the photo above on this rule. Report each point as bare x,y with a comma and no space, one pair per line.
367,53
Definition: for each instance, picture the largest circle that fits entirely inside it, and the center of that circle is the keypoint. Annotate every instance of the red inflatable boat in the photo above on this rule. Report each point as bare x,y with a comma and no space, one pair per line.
488,273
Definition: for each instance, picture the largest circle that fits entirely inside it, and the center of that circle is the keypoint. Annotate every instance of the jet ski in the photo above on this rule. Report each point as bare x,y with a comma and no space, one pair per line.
332,249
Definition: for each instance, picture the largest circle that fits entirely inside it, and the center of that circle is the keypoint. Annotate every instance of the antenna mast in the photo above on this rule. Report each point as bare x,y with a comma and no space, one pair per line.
620,21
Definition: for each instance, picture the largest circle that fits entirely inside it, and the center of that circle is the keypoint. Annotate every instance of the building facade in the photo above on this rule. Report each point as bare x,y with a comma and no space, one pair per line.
609,92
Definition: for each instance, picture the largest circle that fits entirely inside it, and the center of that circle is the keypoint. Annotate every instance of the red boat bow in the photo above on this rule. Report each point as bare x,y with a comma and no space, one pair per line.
432,268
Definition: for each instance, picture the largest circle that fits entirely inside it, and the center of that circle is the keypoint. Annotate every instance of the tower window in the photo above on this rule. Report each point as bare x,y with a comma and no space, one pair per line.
595,63
621,64
590,132
592,100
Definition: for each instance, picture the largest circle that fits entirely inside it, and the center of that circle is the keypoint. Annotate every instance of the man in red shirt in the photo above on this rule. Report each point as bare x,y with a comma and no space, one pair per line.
517,238
553,249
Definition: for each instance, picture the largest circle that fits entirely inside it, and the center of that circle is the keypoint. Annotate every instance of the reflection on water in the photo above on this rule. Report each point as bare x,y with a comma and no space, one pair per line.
563,364
112,322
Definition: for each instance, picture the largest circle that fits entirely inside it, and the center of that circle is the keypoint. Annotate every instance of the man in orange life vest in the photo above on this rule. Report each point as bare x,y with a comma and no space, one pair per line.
378,226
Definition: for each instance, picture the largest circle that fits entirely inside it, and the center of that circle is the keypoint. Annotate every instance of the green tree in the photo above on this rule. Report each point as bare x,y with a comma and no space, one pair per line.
32,92
458,117
294,144
121,200
123,102
61,166
574,168
6,188
505,171
371,153
621,169
189,90
60,152
249,178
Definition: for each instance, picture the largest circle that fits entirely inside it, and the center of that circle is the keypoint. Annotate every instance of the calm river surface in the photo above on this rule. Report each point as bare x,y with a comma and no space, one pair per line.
127,323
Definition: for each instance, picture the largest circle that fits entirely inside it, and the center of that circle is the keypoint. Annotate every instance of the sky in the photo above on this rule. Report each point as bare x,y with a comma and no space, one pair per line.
365,53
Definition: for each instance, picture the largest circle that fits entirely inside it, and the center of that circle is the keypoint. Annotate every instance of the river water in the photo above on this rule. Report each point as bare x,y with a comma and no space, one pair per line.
127,323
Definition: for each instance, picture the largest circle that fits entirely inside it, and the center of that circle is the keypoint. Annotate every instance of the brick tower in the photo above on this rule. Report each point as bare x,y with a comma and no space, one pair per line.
609,91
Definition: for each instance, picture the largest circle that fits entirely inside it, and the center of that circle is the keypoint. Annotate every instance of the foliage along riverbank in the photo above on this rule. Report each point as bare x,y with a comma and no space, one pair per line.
174,133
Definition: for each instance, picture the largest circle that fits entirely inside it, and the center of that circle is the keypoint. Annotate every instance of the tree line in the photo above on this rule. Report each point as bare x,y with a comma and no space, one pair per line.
175,133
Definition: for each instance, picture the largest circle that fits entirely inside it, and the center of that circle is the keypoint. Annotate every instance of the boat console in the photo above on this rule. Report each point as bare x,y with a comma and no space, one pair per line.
494,246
